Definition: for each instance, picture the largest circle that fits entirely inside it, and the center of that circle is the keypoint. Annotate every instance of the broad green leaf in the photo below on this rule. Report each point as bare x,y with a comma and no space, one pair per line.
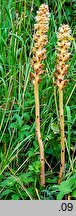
15,197
60,195
35,166
14,125
9,182
68,185
26,178
73,194
6,192
18,119
25,127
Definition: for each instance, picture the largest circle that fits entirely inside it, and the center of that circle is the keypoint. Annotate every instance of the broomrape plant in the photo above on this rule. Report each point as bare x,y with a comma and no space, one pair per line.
63,55
39,54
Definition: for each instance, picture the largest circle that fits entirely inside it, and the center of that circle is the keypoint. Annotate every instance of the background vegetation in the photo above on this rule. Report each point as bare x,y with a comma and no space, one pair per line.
19,150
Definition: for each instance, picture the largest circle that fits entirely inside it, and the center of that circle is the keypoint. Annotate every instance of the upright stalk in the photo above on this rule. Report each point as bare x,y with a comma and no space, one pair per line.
4,146
38,133
62,165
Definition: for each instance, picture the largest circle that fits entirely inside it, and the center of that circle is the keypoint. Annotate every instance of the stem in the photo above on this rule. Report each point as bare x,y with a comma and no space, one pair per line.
62,165
42,170
55,98
4,146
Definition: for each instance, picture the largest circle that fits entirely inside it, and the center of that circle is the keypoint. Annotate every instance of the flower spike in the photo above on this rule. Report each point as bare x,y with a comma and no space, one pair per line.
63,45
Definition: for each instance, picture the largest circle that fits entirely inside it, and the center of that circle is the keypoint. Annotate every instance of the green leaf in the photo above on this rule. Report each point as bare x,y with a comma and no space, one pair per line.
55,128
6,192
60,195
49,151
35,167
25,127
14,125
73,194
30,153
15,197
26,115
9,182
66,187
19,120
52,181
26,178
